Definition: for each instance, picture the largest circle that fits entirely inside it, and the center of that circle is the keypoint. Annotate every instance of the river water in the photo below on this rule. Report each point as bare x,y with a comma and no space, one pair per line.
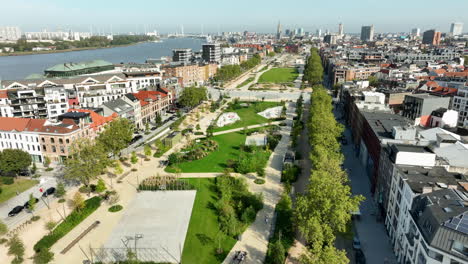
19,67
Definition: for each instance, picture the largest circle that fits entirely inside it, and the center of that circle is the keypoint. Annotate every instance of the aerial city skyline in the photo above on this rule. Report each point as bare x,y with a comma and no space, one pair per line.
246,132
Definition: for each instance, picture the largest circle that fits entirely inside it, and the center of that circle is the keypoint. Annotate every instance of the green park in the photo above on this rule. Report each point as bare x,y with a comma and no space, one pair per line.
279,75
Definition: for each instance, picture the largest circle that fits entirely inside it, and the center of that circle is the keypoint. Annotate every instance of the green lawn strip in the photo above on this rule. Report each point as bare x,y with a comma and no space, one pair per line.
203,233
70,222
279,75
20,185
248,115
245,82
216,160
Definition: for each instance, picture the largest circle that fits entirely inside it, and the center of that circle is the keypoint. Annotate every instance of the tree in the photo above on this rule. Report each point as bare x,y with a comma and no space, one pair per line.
373,81
14,160
3,228
158,119
100,186
32,203
44,256
33,168
60,192
78,202
116,136
192,96
16,248
46,161
86,162
118,169
134,158
278,252
50,225
147,151
147,128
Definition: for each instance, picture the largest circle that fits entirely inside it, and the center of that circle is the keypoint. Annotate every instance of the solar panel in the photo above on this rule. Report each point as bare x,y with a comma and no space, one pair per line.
459,223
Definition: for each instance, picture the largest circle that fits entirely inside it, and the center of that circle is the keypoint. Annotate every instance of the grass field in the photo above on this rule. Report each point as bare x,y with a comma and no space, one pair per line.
279,75
244,83
203,234
248,115
20,185
216,160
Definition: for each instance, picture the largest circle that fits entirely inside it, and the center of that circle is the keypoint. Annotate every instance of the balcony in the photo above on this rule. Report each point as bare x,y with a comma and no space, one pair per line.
410,239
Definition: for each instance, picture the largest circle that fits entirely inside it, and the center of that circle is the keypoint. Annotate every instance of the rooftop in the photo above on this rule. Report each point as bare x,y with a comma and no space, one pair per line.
382,123
72,66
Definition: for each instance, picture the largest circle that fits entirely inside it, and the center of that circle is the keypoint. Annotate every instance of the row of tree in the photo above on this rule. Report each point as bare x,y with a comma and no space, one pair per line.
193,96
313,70
229,72
92,42
324,210
88,159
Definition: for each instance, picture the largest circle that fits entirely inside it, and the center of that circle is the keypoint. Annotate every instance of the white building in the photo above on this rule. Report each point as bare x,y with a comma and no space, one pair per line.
460,104
20,134
456,29
416,32
57,101
10,33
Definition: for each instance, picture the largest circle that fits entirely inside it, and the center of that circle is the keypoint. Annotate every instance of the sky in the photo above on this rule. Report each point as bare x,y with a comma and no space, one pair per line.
213,16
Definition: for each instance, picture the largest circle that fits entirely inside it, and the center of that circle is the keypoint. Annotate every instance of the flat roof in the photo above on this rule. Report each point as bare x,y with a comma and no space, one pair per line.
382,123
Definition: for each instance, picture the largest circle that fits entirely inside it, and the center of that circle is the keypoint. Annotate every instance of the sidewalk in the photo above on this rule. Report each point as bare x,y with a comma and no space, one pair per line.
255,239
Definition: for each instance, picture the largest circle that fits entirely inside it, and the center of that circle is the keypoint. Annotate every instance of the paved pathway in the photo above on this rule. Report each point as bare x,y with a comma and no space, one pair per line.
255,239
248,127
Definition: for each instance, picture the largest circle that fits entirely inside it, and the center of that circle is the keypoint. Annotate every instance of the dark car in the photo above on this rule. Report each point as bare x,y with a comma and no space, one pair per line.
154,128
344,141
26,204
359,257
24,173
15,211
48,192
136,138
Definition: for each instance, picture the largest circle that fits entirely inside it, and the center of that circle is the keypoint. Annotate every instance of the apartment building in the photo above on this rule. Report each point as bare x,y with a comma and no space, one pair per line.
153,103
56,98
460,104
191,74
417,105
347,73
182,55
27,103
431,37
211,53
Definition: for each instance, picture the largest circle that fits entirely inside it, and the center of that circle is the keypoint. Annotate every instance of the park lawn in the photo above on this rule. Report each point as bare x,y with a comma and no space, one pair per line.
20,185
244,83
203,233
279,75
215,161
248,115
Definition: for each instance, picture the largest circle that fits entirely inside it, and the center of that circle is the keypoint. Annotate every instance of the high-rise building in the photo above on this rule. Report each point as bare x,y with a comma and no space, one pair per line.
330,39
300,32
456,29
279,31
319,33
431,37
340,30
367,33
211,52
288,32
181,55
416,32
10,33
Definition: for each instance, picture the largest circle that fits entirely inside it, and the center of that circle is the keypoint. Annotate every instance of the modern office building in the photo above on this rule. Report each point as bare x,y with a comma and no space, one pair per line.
367,33
340,30
181,55
431,37
416,32
456,29
211,53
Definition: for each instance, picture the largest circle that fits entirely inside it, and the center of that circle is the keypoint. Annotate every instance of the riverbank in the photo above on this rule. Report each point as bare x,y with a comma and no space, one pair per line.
23,53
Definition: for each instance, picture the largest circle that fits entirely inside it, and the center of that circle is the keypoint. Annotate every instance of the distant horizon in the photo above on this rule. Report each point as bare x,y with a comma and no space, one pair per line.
214,16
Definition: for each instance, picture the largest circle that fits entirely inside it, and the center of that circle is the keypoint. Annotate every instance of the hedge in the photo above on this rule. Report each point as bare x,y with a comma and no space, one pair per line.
72,220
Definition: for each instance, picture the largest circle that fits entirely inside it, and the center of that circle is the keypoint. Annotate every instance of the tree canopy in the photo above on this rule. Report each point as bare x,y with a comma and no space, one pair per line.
86,162
229,72
192,96
14,160
116,136
313,70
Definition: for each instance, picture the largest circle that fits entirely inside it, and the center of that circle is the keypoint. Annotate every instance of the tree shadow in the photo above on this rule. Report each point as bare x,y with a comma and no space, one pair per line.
204,239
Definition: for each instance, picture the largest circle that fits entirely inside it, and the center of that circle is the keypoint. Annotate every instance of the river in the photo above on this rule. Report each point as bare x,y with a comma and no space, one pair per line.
19,67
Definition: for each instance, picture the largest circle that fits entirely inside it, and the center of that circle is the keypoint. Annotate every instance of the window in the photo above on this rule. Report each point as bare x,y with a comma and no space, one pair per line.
60,141
54,149
435,255
52,140
43,140
44,148
460,248
452,261
67,140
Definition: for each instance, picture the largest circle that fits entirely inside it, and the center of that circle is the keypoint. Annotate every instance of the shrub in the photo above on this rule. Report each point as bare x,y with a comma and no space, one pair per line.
134,169
16,248
101,186
43,257
198,133
72,220
3,228
8,180
84,189
134,158
3,241
49,169
115,208
35,218
259,181
61,200
290,173
60,192
261,172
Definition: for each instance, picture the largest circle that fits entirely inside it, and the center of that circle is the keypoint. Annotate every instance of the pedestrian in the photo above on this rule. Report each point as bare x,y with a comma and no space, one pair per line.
266,220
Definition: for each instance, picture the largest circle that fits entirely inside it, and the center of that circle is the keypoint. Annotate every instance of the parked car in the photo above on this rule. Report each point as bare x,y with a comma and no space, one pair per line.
359,257
26,204
48,192
25,172
356,243
15,211
153,128
136,138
